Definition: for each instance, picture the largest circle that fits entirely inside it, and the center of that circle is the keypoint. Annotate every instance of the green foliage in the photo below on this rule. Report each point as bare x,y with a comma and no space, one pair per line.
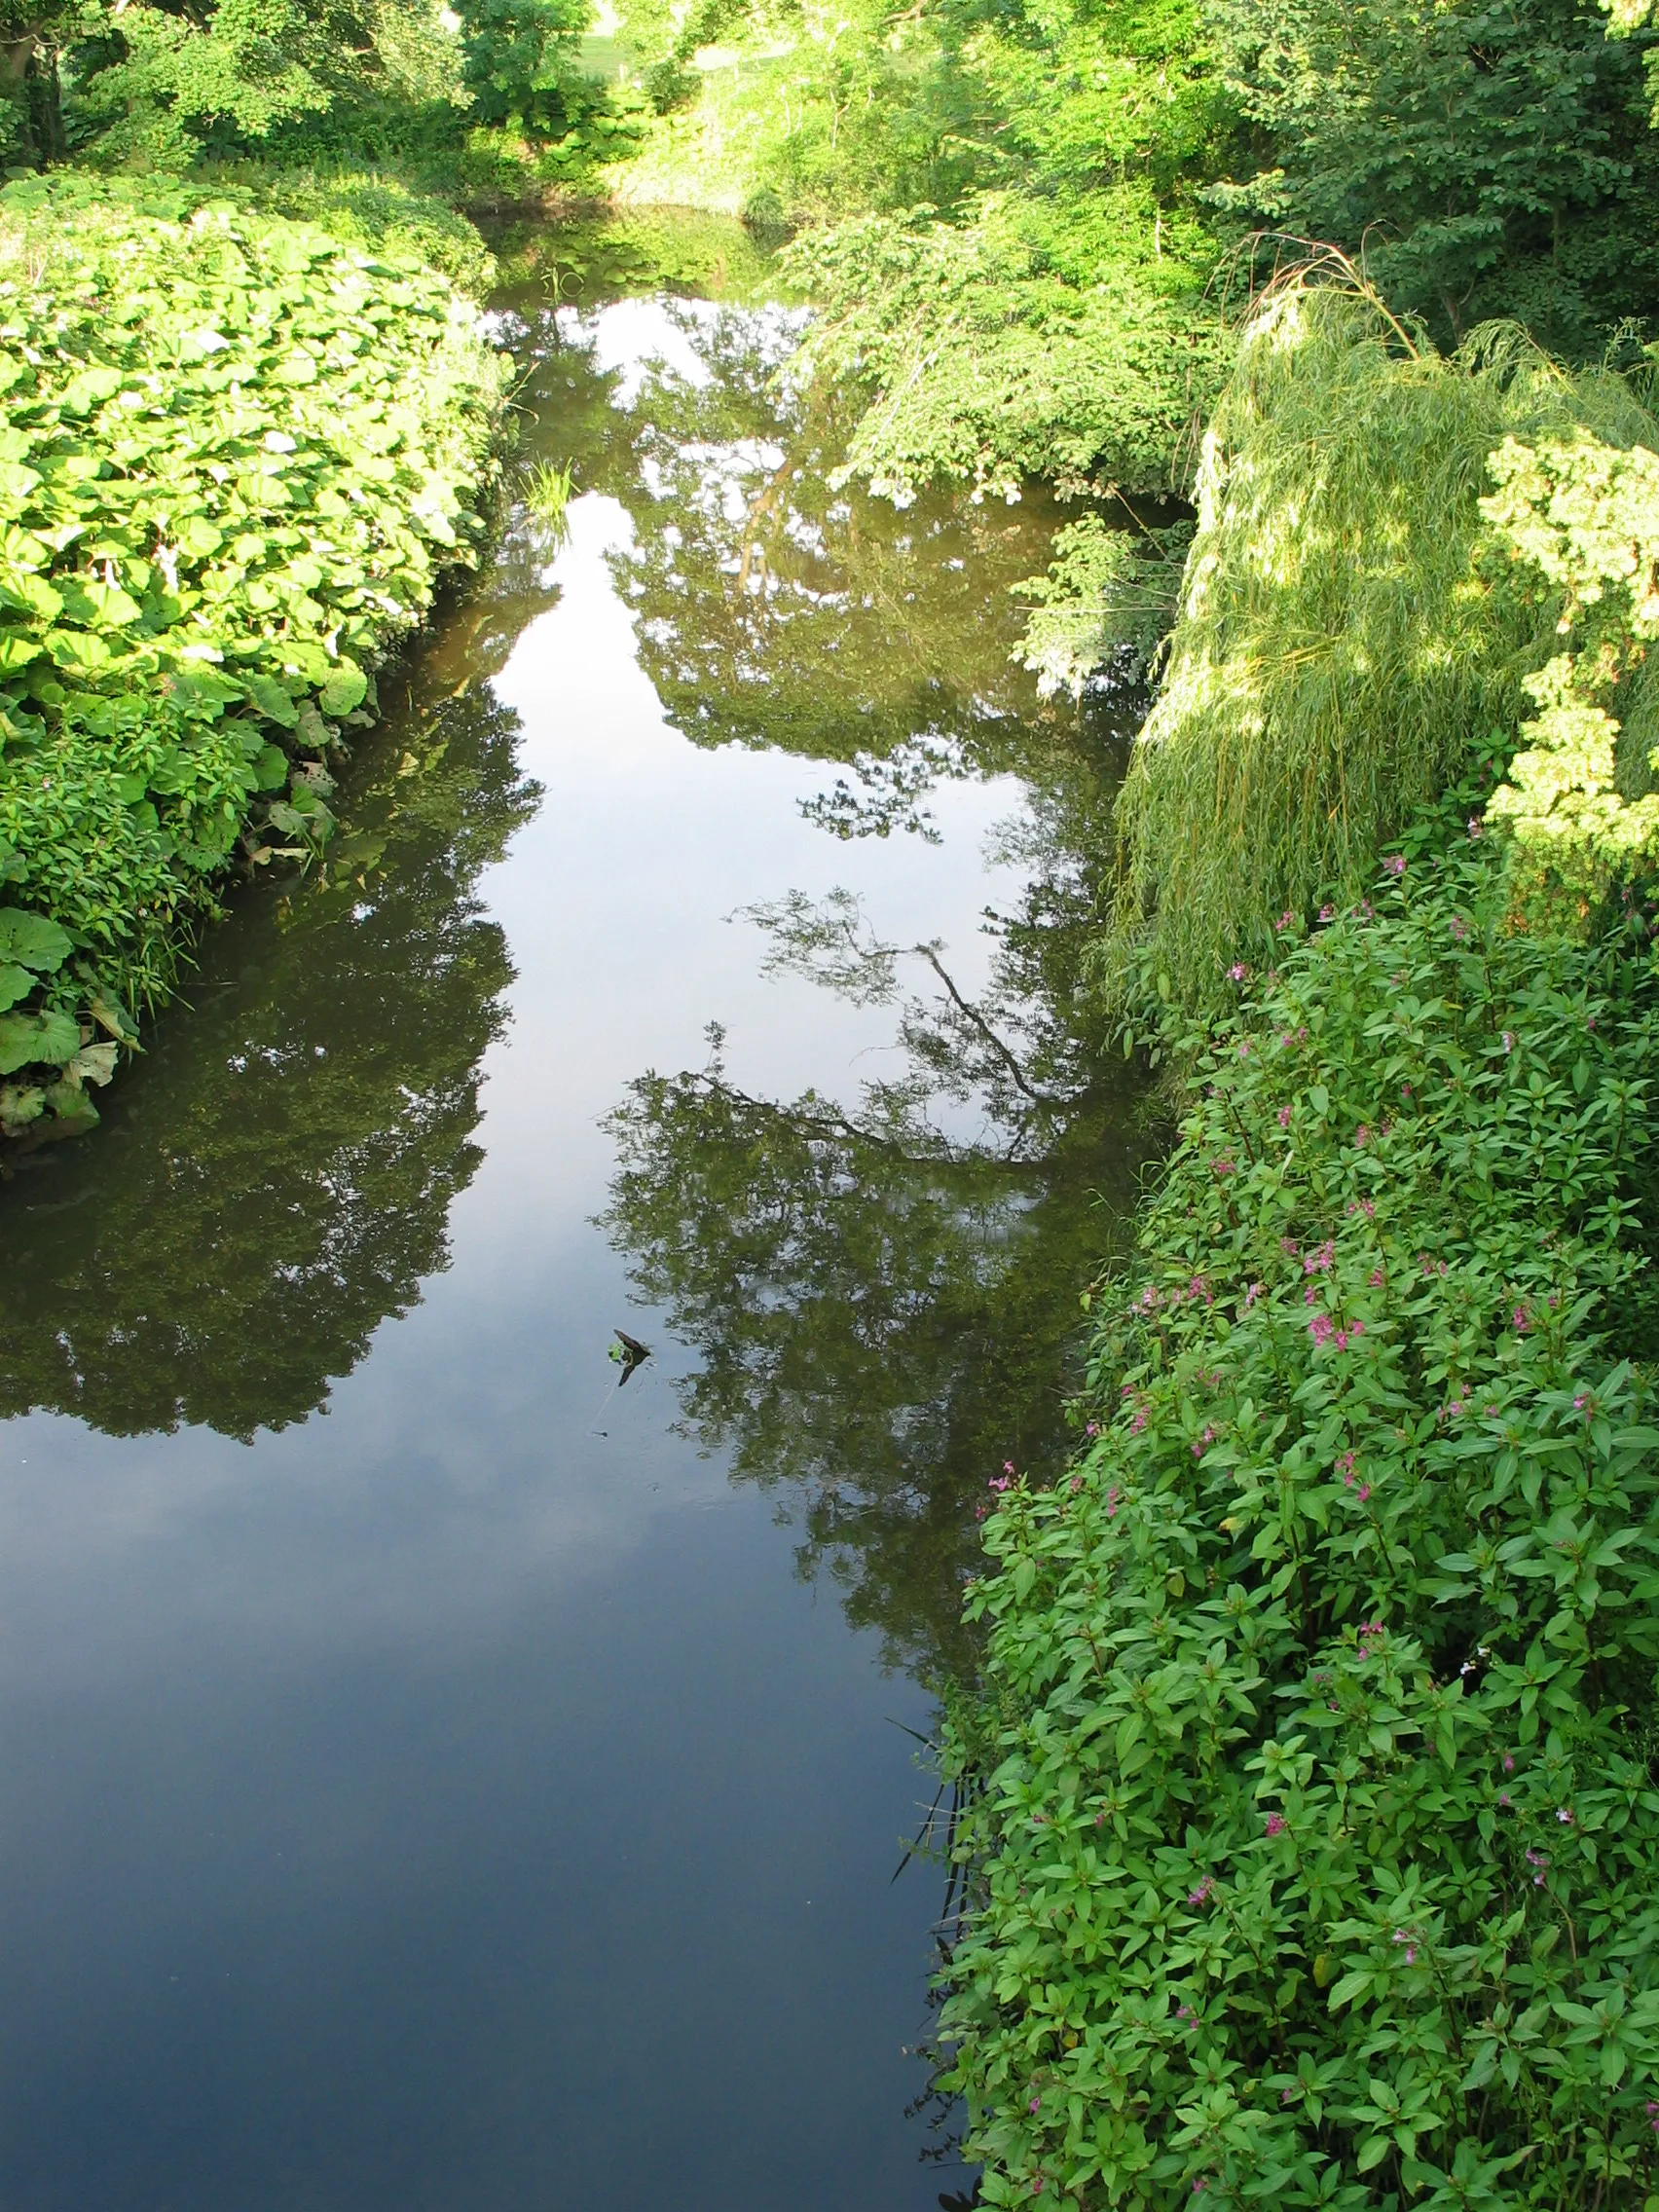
1318,1823
1108,600
161,81
1491,159
1338,655
1581,520
1028,342
1027,297
234,461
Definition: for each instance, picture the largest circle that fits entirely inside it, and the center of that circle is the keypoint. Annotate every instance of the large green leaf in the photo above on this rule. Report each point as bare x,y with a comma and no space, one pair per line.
33,940
50,1039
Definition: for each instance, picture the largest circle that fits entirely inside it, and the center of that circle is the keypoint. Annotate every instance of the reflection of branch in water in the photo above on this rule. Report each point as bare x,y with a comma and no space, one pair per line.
830,942
890,786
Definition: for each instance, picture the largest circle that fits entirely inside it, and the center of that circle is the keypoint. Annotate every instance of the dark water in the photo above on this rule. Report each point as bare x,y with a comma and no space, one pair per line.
433,1775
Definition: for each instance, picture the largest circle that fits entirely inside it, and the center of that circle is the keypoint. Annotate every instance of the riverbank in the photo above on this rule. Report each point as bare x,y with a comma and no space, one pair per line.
240,451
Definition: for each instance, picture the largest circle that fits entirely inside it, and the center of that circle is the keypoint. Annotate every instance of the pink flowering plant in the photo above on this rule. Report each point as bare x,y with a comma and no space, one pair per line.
1316,1826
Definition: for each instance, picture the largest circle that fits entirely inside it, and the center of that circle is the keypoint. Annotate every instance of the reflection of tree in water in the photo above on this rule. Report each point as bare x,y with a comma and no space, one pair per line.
275,1178
883,1310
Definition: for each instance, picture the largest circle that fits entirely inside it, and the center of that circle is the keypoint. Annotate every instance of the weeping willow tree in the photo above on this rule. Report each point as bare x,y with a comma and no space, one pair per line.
1342,640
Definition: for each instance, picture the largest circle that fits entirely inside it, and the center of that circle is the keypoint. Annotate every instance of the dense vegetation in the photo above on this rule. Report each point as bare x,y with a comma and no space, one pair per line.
1318,1769
237,452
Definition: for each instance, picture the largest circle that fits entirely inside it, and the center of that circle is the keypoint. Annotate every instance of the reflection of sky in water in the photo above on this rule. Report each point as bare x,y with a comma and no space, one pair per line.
454,1801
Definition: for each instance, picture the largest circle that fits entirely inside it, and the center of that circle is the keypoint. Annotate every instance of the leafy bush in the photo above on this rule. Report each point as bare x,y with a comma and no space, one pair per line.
1321,1815
234,459
1337,652
1580,520
1027,343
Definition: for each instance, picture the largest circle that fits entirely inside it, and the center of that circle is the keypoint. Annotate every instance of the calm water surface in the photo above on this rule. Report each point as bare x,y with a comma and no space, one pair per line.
433,1775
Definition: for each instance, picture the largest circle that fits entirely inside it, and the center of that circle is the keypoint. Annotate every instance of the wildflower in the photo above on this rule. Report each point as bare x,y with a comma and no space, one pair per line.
1363,1492
1289,1247
1411,1954
1000,1482
1319,1328
1112,1495
1345,1337
1509,1762
1286,919
1523,1321
1477,826
1366,1206
1509,1040
1564,1818
1224,1164
1375,1279
1344,1465
1252,1294
1505,1800
1327,913
1322,1260
1237,973
1007,1467
1362,1135
1396,863
1201,1894
1284,1117
1075,1483
1287,2096
1140,1422
1275,1824
1036,2105
1460,928
1093,1427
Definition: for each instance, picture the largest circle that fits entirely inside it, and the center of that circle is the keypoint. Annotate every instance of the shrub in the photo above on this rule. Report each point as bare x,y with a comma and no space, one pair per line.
1320,1823
234,458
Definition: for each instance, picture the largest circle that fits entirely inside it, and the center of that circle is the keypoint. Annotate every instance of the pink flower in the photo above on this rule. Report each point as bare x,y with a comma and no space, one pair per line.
1509,1040
1284,1117
1275,1824
1396,863
1460,928
1289,1247
1345,1464
1286,919
1252,1294
1362,1135
1036,2105
1363,1492
1523,1321
1093,1427
1366,1206
1476,825
1322,1260
1319,1328
1201,1894
1564,1818
1375,1279
1112,1498
1237,973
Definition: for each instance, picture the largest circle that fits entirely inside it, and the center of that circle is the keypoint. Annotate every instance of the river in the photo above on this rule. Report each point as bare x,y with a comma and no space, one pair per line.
445,1767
